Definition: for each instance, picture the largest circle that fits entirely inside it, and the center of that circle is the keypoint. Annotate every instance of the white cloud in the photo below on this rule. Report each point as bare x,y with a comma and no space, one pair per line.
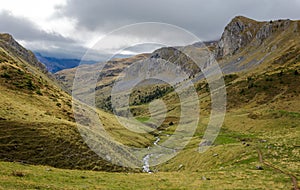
35,10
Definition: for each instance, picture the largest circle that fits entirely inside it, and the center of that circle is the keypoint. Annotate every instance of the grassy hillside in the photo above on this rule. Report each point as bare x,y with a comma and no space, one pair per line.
36,118
263,111
19,176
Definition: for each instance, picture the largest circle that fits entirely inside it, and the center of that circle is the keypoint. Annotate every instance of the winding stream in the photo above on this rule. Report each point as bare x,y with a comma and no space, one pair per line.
146,166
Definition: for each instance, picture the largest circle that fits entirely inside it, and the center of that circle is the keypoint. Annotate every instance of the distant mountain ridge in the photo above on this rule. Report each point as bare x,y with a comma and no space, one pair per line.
54,64
245,44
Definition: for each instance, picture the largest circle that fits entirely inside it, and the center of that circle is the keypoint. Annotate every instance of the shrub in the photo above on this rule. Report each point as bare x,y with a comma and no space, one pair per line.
69,104
39,92
30,85
5,75
20,72
251,85
269,79
242,91
265,87
230,77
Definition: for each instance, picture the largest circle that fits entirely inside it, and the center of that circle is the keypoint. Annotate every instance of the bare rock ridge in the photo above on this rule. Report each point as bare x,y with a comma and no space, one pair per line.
237,34
242,31
240,34
178,58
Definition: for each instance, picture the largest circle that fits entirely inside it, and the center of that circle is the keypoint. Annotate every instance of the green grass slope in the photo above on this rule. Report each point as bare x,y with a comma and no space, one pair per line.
20,176
36,118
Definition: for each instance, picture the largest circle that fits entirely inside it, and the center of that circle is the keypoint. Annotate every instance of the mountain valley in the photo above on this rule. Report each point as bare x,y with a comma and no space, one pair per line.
258,146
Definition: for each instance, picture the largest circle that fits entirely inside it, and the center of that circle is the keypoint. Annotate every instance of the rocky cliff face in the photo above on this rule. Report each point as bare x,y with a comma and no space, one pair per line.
269,28
242,31
237,34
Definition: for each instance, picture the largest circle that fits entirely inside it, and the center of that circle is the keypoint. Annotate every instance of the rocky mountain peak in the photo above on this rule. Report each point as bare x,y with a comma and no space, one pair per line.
242,31
237,34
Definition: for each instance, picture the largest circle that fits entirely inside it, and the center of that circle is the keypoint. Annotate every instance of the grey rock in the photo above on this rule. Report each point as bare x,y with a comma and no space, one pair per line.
205,178
237,34
242,31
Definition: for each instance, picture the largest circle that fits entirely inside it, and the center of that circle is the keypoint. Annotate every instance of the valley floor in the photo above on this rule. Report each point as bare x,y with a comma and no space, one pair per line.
20,176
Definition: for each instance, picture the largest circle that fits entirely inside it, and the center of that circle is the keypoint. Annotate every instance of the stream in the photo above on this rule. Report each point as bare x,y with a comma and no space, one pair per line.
146,166
156,155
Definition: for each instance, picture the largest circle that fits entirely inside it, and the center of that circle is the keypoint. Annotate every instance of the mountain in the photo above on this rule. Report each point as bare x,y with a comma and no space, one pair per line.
246,46
37,124
54,64
7,42
106,79
256,148
242,32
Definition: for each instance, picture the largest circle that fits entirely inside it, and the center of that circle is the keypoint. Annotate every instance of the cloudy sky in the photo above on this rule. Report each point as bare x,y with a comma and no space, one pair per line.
66,28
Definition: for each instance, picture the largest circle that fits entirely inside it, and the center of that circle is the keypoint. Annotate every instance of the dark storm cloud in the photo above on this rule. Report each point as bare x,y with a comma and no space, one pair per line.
23,29
204,18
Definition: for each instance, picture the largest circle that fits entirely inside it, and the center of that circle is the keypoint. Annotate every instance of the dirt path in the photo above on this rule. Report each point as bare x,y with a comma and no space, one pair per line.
293,178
